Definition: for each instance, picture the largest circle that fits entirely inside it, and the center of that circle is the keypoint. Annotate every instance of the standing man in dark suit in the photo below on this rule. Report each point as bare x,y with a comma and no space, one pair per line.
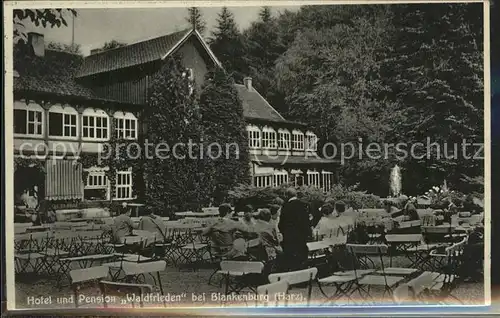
295,227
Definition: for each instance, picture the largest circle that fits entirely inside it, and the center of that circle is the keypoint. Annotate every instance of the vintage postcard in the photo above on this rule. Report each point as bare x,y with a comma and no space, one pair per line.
227,154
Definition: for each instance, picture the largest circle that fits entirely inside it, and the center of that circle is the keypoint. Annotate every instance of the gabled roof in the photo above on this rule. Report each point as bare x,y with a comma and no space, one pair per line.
256,107
138,53
53,73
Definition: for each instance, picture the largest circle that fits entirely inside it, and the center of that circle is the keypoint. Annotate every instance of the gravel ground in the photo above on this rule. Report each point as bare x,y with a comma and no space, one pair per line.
189,284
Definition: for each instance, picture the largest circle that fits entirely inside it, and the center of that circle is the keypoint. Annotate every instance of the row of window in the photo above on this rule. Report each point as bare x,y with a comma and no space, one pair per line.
313,179
29,120
97,186
268,138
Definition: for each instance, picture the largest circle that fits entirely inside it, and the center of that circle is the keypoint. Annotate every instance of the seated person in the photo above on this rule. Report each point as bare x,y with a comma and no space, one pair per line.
408,213
238,251
154,224
123,224
222,231
248,218
268,234
326,224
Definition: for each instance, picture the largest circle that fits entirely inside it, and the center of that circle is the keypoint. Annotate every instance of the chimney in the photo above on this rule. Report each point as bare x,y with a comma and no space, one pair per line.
35,40
248,83
95,51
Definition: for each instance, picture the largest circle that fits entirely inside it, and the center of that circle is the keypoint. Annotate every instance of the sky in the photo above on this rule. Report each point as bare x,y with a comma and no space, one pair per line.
94,27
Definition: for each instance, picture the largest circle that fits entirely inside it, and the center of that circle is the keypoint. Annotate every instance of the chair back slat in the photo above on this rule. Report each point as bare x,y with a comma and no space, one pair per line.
272,293
437,229
367,249
132,268
88,274
401,238
295,277
241,266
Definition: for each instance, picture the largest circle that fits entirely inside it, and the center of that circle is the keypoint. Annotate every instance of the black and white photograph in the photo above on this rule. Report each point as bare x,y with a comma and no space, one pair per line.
160,155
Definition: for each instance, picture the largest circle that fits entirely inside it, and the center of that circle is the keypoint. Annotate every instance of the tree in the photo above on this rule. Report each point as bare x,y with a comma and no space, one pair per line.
264,46
172,174
435,69
70,48
224,125
341,96
228,45
195,19
113,44
44,17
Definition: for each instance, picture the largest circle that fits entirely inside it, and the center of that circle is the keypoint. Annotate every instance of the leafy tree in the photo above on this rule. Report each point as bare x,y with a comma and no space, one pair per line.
195,19
435,69
341,96
264,46
113,44
224,125
70,48
228,45
43,17
172,175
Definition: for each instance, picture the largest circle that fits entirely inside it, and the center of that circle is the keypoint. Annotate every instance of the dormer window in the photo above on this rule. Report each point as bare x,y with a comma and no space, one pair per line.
95,124
28,119
254,137
311,141
283,139
297,140
268,138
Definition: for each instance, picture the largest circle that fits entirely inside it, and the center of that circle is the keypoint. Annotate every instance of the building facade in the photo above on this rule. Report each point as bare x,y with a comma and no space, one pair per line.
66,105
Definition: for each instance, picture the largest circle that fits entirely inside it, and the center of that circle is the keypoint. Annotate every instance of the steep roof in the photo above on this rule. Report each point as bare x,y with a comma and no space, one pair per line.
131,55
53,73
256,107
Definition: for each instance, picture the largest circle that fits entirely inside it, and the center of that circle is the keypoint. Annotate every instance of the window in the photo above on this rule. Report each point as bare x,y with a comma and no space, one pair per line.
311,141
280,177
95,123
125,125
313,178
253,136
297,140
63,122
268,138
96,185
283,139
327,180
263,181
28,119
123,186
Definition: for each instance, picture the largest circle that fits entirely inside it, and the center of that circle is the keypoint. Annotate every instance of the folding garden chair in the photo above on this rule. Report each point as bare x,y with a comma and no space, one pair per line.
123,293
240,275
136,273
30,252
447,278
192,252
379,278
87,276
403,244
273,293
297,277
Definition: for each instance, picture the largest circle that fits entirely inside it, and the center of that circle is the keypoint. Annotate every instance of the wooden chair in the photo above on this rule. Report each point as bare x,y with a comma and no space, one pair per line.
127,292
80,277
239,271
383,279
297,277
273,293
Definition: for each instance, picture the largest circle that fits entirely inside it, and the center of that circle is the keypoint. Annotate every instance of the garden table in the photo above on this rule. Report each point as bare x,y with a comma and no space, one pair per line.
38,228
